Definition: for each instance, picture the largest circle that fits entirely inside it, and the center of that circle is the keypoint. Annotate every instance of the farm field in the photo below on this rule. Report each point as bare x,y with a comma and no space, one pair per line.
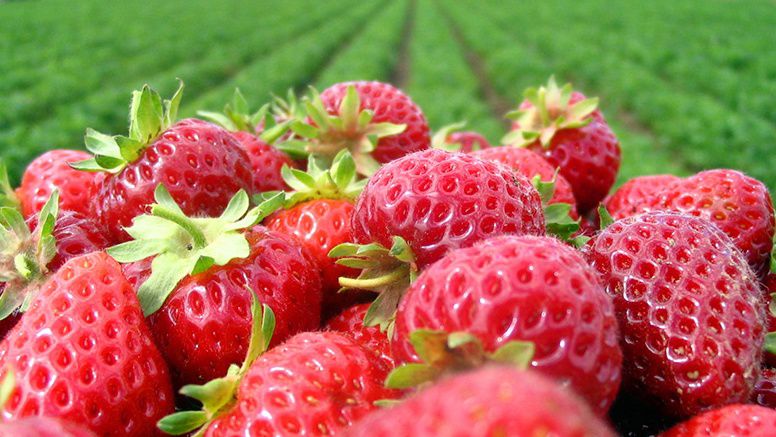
684,91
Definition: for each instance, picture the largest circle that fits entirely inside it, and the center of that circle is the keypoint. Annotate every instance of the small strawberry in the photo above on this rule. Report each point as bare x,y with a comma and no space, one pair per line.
568,130
493,401
732,420
203,274
633,196
376,122
765,389
453,139
351,323
200,163
533,289
266,160
83,353
690,310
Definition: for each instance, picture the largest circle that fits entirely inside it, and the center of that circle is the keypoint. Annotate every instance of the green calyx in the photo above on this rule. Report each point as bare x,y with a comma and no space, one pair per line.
441,352
25,254
557,216
149,116
550,112
237,116
8,197
7,386
605,219
183,246
388,272
219,395
351,129
439,140
287,109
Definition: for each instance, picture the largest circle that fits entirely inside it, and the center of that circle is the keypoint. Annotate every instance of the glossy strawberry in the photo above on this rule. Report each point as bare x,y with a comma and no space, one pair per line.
83,353
534,289
739,205
351,323
765,389
732,420
42,427
689,307
633,196
530,165
488,402
565,128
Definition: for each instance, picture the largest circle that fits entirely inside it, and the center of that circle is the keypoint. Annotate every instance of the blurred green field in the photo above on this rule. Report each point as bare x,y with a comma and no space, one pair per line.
687,85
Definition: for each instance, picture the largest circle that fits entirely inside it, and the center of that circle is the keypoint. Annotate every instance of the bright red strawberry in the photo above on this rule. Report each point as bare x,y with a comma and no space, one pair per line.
765,389
42,427
530,165
690,310
83,353
565,128
633,196
51,171
452,139
494,401
739,205
351,323
201,164
533,289
732,420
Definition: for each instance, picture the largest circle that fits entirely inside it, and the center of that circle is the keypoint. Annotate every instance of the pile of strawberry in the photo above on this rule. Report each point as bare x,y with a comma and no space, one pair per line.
325,266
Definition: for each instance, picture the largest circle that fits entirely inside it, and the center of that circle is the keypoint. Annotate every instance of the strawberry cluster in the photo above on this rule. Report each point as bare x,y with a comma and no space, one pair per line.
326,266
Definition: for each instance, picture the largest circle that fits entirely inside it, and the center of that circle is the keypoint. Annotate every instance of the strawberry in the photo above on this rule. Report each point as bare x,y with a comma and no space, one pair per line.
689,307
732,420
201,163
375,121
42,427
633,196
452,139
739,205
83,353
511,288
493,401
765,389
316,383
198,303
568,130
351,323
266,160
530,165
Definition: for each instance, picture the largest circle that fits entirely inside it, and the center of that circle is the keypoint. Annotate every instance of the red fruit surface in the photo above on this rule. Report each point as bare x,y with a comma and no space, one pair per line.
266,162
739,205
765,389
51,171
439,201
390,105
690,310
733,421
83,353
494,401
75,234
633,196
321,225
470,141
530,164
200,164
534,289
317,383
351,323
205,324
42,427
588,157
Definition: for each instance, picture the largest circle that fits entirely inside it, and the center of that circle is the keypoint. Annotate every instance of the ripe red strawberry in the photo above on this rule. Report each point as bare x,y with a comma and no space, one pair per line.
375,121
201,164
732,420
42,427
530,165
351,323
633,196
494,401
765,389
689,307
739,205
83,353
534,289
51,171
452,139
565,128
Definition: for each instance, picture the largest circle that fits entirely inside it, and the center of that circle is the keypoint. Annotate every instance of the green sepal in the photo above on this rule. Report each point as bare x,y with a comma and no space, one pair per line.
558,221
550,112
149,116
183,246
604,218
439,139
545,189
7,386
773,256
8,197
288,109
772,305
770,343
236,115
218,396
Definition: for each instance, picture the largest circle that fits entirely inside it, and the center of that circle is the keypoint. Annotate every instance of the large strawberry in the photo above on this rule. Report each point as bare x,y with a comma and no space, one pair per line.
266,160
569,131
633,196
375,121
83,353
453,139
494,401
511,288
732,420
765,389
201,164
203,274
351,322
689,307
